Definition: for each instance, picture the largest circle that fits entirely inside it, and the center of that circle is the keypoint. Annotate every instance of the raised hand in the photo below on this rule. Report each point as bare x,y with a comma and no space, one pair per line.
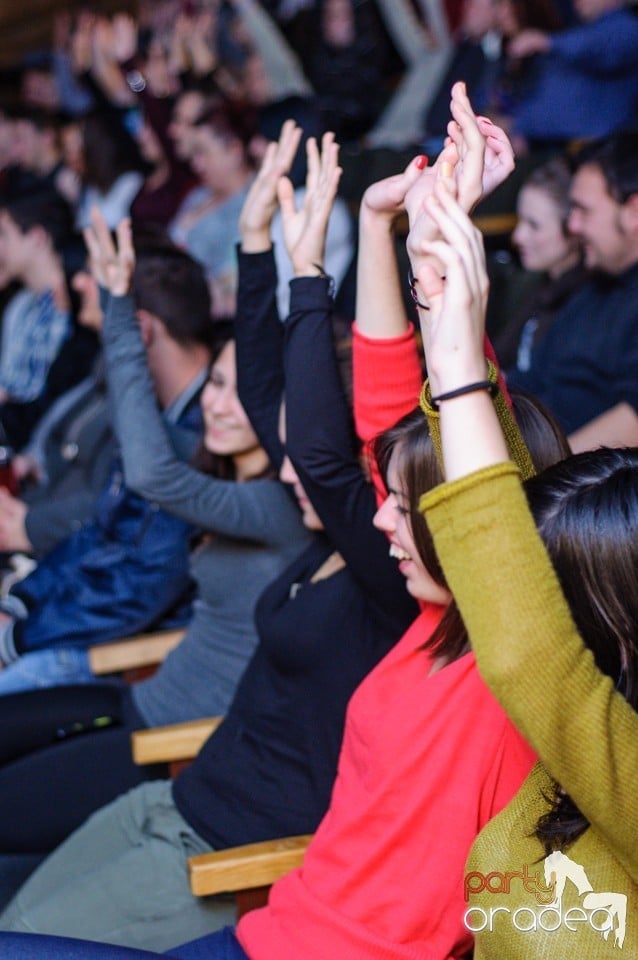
528,42
453,325
484,154
387,198
261,202
124,37
112,261
305,229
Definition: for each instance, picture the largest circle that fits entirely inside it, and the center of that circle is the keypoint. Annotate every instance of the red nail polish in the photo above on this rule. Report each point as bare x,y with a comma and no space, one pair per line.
421,161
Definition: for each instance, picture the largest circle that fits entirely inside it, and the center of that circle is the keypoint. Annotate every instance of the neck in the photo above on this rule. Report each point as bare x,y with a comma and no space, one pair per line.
569,260
44,273
234,184
174,371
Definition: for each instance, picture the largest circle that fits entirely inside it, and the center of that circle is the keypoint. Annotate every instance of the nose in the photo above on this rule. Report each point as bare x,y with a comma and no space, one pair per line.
517,234
384,518
287,473
574,221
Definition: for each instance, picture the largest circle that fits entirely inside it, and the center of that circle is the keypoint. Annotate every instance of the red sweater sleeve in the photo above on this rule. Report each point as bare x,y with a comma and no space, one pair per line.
387,379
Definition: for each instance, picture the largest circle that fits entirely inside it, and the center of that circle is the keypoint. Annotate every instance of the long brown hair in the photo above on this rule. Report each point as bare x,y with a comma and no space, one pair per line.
586,510
420,471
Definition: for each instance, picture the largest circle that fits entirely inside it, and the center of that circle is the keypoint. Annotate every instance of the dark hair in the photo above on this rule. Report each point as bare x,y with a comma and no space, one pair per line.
554,179
586,510
171,285
42,208
536,14
305,112
231,121
109,150
544,437
420,472
617,159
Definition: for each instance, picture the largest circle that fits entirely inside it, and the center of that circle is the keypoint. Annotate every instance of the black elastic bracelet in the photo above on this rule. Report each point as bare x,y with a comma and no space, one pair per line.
489,385
413,291
322,273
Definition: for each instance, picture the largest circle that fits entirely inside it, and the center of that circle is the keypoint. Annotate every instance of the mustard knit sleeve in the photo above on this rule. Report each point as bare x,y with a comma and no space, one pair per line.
530,653
515,443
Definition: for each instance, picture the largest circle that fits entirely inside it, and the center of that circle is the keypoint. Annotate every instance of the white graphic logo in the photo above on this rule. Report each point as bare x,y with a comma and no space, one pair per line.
604,912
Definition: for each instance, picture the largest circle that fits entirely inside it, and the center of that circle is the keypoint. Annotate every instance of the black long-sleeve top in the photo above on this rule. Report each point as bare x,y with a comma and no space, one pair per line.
269,769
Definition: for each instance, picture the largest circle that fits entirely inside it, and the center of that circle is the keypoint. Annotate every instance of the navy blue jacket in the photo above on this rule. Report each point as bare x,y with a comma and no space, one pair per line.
120,573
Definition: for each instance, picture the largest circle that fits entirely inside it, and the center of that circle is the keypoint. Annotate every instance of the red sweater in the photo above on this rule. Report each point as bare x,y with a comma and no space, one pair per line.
426,762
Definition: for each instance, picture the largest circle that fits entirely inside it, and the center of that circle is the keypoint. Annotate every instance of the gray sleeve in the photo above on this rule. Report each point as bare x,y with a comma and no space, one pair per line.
249,511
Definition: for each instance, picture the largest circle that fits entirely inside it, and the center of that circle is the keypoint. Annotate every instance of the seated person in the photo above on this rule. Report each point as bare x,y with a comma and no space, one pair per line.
585,83
551,257
60,474
41,352
586,368
124,570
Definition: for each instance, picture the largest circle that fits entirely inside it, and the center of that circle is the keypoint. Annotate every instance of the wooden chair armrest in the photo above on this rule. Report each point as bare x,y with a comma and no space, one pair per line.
132,652
180,741
241,868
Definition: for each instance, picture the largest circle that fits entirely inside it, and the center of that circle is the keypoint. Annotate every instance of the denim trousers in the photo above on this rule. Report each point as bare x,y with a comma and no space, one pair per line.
53,667
26,946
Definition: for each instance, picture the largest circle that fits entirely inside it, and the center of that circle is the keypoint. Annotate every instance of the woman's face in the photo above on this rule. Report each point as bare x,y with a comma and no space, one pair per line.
214,159
506,20
539,236
393,518
227,429
288,474
149,144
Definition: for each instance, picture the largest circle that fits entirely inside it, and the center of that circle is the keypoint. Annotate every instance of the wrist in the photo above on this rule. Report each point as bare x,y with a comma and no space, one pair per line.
454,378
309,270
255,241
371,219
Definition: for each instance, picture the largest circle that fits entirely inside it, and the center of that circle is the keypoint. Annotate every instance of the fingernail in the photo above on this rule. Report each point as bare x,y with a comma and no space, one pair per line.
421,162
446,169
485,120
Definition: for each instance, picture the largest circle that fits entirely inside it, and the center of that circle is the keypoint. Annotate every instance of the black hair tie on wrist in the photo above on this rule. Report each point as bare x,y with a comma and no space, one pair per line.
489,385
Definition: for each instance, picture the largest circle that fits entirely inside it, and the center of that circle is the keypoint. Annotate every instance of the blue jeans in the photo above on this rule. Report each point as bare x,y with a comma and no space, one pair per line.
53,667
222,945
28,946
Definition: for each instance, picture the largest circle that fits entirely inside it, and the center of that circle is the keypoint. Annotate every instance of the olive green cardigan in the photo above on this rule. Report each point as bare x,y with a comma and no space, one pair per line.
531,656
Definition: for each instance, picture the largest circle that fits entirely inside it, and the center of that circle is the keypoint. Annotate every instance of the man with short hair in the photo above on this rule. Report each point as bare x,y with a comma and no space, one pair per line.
127,568
586,368
37,323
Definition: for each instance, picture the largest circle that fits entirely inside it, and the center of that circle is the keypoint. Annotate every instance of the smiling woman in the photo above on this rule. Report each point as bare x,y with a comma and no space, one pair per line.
228,431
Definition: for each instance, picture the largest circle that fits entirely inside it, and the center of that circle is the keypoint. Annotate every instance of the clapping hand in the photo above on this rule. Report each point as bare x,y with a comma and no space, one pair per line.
112,261
305,228
261,203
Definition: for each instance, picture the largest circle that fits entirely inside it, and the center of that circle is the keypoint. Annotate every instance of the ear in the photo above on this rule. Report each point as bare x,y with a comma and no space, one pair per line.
147,322
630,209
39,235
